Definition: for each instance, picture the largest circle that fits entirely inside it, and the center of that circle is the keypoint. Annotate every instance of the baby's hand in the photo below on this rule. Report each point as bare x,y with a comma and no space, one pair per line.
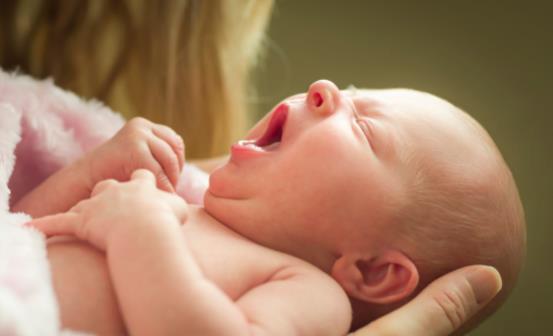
139,144
114,206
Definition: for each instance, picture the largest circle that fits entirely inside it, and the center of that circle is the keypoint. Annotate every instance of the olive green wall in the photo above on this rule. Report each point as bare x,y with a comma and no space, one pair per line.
492,58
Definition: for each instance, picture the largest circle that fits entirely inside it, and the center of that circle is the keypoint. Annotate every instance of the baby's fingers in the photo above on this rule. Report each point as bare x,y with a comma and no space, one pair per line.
56,225
171,137
169,166
99,188
144,175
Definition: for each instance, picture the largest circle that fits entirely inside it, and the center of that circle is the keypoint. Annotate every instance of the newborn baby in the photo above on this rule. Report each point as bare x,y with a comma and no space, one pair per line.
339,207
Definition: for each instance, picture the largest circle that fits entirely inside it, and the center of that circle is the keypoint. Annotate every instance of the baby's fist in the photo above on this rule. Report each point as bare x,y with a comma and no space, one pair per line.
139,144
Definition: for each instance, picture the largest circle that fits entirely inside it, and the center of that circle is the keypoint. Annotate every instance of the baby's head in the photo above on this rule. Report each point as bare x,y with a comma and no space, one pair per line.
383,189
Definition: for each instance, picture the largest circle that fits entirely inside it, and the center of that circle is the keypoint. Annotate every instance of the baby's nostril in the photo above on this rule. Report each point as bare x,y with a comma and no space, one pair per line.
318,99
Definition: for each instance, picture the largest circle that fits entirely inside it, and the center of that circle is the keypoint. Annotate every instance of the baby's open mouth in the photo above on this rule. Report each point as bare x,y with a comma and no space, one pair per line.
272,137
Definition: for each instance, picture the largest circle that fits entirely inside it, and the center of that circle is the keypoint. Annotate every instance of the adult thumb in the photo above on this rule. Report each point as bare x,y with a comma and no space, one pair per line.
443,306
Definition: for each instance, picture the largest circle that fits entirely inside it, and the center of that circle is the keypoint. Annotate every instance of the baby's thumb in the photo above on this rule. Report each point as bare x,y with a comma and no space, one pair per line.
443,306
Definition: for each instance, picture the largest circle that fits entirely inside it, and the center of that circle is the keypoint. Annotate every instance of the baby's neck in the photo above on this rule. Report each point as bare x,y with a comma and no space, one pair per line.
318,257
199,216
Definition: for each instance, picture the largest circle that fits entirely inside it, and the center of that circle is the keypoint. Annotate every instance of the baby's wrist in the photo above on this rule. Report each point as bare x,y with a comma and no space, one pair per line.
144,228
81,170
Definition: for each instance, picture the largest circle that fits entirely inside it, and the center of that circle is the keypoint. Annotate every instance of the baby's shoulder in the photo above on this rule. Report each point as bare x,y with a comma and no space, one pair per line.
307,301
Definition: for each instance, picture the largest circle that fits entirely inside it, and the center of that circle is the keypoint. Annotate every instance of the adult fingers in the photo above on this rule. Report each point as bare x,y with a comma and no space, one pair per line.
169,173
55,225
443,306
171,137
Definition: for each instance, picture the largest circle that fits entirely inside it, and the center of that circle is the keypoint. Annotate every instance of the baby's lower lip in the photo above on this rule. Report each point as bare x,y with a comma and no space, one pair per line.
246,149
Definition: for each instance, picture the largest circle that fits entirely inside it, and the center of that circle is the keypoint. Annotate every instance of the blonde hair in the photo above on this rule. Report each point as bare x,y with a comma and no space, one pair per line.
185,63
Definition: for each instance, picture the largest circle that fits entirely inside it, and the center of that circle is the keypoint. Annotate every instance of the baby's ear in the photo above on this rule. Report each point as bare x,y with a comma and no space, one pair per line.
386,278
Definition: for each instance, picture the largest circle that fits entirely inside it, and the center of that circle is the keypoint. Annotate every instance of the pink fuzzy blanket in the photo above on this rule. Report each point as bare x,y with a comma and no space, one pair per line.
43,128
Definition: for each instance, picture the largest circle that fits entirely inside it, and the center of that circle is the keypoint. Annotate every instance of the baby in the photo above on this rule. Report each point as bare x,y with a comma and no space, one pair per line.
339,207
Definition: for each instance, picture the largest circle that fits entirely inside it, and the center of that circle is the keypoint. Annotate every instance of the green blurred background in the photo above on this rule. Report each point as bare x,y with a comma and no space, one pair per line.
492,58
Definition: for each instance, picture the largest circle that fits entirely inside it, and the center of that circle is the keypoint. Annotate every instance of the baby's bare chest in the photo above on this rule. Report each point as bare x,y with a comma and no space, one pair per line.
232,262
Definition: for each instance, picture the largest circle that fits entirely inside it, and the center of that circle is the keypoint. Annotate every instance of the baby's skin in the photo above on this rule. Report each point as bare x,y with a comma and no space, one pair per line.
298,230
169,268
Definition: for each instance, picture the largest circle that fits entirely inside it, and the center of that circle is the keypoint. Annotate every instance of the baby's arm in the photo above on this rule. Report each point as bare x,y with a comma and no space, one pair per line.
297,300
57,193
171,296
162,291
139,144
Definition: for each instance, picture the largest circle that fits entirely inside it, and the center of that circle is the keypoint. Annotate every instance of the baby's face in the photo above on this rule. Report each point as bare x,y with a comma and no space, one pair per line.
326,168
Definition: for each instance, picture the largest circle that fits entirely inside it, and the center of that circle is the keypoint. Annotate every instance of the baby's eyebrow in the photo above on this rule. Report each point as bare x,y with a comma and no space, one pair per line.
371,112
379,137
366,100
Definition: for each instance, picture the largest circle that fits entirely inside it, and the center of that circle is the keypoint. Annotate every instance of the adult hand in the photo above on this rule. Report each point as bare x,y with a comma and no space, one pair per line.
442,307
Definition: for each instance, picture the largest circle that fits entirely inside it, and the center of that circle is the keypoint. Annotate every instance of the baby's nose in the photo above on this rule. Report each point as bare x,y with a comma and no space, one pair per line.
323,97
